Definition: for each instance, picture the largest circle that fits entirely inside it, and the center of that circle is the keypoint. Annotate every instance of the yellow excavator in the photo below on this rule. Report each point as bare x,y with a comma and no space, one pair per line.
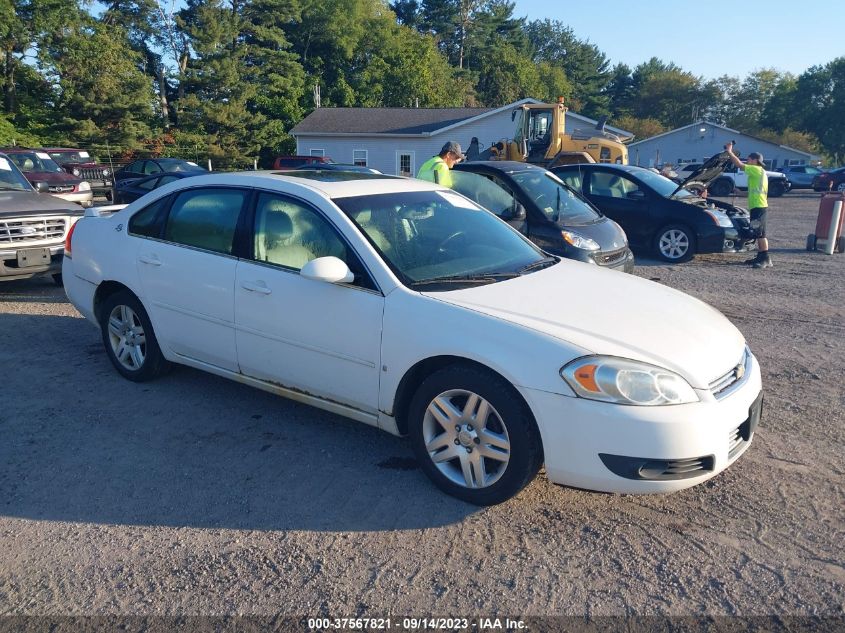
540,137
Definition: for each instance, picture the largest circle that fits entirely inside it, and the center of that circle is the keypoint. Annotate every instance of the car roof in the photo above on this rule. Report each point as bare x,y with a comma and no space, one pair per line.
501,166
630,169
331,184
18,150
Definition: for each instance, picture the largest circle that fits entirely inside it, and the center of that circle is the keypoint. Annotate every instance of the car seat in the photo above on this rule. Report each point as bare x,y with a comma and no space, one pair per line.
28,165
278,241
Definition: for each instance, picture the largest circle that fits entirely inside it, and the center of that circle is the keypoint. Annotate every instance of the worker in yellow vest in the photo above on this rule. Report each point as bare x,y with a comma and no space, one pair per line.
758,201
436,169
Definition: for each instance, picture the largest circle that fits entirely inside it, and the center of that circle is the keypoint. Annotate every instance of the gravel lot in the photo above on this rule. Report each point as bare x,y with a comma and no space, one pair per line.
196,495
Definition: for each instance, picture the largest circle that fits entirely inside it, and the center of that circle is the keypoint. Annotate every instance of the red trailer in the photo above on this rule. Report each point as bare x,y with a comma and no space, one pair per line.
818,240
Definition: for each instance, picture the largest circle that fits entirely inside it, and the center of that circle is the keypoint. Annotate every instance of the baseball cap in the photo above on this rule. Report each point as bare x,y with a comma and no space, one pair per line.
455,148
756,156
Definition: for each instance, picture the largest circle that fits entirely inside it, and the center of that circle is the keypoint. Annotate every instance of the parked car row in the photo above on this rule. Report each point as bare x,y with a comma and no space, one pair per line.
33,226
408,306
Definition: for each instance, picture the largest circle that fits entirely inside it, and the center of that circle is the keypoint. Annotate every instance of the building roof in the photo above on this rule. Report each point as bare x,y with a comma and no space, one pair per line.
727,129
404,121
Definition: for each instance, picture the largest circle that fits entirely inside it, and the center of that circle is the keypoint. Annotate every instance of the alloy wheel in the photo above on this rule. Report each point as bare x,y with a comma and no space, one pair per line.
127,338
674,244
466,438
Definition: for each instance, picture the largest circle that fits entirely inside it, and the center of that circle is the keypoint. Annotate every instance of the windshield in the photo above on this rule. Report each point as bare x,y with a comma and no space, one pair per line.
11,178
35,161
428,236
557,201
662,185
71,157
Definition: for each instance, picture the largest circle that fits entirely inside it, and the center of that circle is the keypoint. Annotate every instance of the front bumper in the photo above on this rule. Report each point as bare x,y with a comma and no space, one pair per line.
84,198
9,269
622,259
579,434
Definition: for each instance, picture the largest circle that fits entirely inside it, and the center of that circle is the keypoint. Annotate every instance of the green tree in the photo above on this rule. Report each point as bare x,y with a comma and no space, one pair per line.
103,95
507,76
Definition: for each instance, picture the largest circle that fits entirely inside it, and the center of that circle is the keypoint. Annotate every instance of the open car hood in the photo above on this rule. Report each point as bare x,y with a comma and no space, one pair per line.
710,169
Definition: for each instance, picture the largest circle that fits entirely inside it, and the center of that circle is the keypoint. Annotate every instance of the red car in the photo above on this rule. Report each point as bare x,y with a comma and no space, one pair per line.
39,168
292,162
81,164
830,181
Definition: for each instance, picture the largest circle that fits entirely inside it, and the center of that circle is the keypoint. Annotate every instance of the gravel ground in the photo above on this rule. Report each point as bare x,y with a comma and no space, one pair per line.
196,495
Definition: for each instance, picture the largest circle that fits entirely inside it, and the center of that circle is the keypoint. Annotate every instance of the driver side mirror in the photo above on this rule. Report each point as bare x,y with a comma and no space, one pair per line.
329,269
636,194
517,212
41,187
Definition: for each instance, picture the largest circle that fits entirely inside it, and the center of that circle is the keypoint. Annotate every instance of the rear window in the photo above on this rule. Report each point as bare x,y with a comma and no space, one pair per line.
148,221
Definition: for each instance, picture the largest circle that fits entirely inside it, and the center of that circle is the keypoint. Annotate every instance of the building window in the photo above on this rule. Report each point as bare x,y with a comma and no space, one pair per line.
405,164
318,152
359,157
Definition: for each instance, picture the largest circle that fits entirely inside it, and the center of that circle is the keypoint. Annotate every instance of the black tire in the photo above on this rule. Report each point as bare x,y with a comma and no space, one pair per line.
840,244
721,187
509,416
777,189
154,364
57,279
811,242
665,253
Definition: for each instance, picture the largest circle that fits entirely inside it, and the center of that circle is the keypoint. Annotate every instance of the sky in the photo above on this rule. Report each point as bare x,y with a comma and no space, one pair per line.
709,39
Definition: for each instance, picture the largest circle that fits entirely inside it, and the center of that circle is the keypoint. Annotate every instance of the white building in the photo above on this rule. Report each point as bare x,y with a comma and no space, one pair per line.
398,140
698,141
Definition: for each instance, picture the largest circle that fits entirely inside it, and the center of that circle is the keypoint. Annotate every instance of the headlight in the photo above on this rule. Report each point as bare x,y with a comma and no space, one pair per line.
720,218
76,172
85,186
106,172
579,241
622,381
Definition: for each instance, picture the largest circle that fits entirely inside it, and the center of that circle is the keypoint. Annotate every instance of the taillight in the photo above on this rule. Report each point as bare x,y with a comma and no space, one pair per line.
69,239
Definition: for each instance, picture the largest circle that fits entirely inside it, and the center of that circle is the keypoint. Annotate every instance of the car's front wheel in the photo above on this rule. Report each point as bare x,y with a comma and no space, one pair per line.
473,435
841,186
129,339
675,244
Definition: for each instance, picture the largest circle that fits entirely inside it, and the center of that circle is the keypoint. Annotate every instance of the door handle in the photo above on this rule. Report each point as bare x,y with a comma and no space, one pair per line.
152,260
259,287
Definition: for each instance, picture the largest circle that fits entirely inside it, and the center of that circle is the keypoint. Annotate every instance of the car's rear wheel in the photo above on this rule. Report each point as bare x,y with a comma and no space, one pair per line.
840,244
811,242
777,189
721,187
473,435
57,279
841,186
675,243
129,339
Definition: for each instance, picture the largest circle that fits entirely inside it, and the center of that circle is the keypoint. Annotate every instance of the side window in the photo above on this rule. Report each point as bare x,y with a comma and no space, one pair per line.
205,218
148,221
148,185
571,179
487,192
610,185
136,168
291,234
151,168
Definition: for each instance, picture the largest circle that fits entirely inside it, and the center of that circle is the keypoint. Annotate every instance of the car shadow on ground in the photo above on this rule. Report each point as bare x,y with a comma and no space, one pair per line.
35,290
188,450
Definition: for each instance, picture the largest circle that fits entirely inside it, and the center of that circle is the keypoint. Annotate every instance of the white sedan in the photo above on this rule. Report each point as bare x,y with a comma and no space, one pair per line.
404,305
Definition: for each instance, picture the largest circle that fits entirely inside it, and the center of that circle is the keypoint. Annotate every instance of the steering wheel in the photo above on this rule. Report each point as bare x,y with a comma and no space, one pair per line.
443,246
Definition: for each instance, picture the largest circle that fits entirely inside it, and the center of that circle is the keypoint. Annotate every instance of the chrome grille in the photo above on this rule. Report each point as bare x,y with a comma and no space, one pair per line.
609,258
61,188
92,173
726,384
34,230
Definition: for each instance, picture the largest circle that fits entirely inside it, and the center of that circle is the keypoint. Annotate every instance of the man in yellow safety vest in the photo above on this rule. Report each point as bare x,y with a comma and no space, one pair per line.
436,169
758,201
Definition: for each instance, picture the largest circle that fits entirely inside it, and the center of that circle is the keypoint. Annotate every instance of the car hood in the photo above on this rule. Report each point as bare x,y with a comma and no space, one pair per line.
710,169
606,312
53,177
28,203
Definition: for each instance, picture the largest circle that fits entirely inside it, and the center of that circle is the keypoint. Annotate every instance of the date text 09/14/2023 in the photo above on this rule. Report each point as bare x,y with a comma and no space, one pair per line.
415,624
